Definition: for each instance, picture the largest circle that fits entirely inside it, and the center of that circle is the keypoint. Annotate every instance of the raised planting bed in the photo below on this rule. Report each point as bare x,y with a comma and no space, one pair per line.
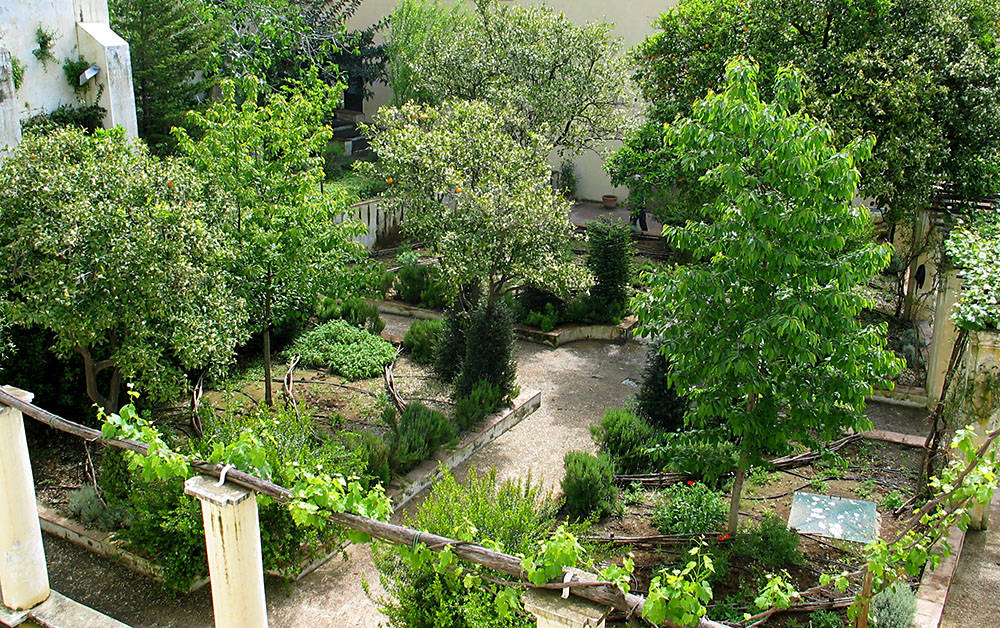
402,489
332,406
562,335
878,472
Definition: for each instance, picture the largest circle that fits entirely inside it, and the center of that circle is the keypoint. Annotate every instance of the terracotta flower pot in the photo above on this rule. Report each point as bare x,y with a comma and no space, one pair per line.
610,201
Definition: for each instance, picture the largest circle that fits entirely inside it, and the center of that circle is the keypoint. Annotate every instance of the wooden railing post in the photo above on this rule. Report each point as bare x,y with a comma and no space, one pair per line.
23,576
232,539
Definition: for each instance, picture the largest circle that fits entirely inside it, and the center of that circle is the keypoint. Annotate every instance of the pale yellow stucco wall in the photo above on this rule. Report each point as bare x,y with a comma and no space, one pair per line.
44,87
632,22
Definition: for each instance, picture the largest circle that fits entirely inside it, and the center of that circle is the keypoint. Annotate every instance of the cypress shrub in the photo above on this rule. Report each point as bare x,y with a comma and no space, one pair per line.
657,401
609,258
451,347
489,351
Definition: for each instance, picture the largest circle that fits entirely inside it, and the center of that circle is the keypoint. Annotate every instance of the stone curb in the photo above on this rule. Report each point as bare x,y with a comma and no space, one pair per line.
403,489
935,583
562,335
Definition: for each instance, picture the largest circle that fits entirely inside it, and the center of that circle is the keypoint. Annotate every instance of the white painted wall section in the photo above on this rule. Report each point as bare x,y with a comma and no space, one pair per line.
99,44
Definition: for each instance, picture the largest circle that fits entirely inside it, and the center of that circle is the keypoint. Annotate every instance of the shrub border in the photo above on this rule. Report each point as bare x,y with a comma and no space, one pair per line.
562,335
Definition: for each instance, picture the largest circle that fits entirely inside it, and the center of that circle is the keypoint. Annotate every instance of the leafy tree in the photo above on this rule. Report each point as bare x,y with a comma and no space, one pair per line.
920,74
171,44
283,40
264,165
564,79
482,199
762,328
117,254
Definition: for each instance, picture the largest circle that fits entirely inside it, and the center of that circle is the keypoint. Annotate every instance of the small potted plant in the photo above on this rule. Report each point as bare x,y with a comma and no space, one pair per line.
610,201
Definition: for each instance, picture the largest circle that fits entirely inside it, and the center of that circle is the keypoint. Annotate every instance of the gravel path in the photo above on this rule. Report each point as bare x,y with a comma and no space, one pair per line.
578,383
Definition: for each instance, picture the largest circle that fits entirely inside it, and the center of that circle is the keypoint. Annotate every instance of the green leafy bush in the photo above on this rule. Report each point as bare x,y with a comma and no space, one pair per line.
657,401
422,340
513,513
627,439
635,446
690,508
588,484
546,320
345,349
609,258
483,400
420,284
895,606
585,308
354,310
489,352
372,450
87,117
452,346
707,454
770,544
415,435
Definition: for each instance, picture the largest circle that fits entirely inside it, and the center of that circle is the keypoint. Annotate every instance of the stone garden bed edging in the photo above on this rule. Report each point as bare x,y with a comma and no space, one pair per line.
564,334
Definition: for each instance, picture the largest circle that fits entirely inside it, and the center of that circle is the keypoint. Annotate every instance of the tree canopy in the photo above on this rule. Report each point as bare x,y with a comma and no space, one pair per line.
481,198
567,82
262,157
762,327
120,256
922,75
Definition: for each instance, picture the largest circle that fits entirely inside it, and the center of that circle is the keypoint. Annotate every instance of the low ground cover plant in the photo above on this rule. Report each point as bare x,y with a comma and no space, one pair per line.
690,508
344,349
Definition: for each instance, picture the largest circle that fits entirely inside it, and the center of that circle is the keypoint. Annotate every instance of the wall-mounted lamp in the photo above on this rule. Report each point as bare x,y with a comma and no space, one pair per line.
89,73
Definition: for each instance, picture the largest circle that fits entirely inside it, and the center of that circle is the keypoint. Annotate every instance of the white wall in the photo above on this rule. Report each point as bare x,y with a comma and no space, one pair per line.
45,88
632,22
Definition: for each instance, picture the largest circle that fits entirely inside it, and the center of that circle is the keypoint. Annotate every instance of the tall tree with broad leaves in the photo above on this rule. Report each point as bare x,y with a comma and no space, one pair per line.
922,75
282,40
762,327
120,256
262,157
566,81
171,44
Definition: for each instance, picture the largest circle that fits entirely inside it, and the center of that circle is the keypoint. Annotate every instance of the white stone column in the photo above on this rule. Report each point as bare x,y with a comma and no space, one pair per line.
945,334
99,44
232,539
24,579
10,126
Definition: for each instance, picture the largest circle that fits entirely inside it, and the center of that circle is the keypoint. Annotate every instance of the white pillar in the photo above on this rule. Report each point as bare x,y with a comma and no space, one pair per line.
24,579
232,539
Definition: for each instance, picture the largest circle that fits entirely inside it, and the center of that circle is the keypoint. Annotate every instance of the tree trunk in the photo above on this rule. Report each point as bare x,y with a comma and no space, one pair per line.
939,427
267,365
109,402
734,501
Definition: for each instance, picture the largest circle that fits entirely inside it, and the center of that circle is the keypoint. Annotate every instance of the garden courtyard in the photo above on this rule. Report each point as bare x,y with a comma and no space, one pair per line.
485,314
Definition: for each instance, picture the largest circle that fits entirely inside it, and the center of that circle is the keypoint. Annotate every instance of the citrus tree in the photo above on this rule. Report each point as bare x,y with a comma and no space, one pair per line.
261,155
566,81
482,199
762,327
920,74
119,255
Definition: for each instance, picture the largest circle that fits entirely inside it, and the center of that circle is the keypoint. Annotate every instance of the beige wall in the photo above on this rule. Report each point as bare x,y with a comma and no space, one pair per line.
632,22
45,88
